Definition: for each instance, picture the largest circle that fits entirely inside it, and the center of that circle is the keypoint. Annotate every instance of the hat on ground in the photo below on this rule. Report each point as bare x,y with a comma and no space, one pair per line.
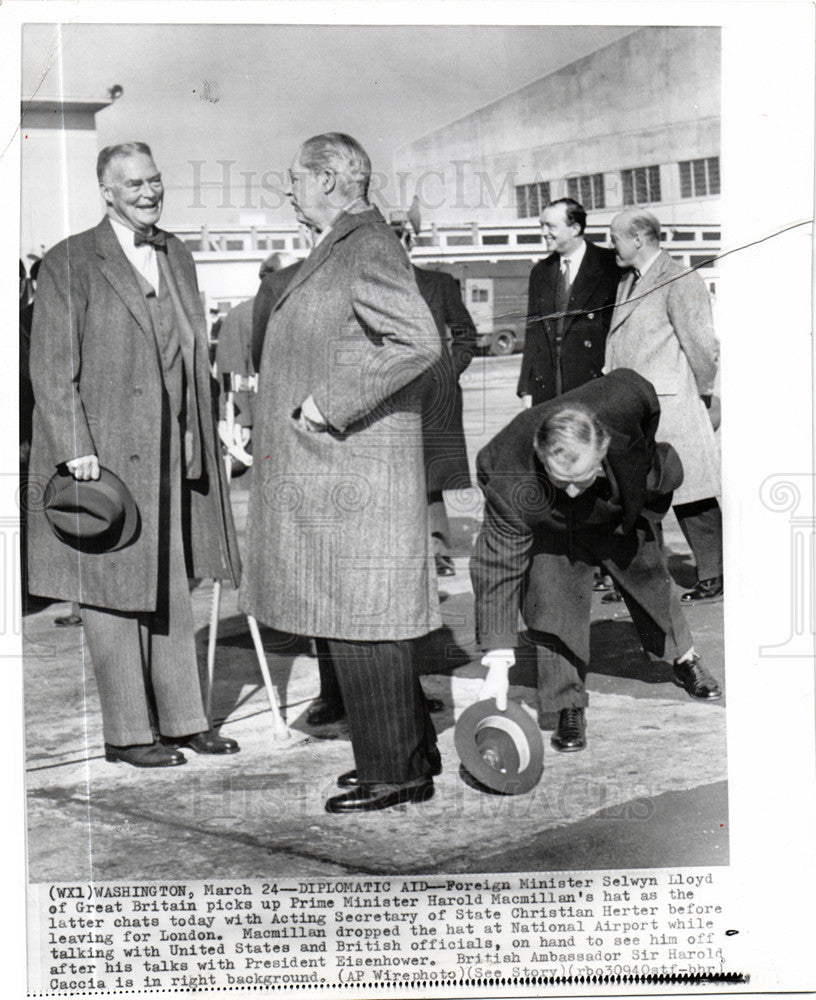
95,515
502,750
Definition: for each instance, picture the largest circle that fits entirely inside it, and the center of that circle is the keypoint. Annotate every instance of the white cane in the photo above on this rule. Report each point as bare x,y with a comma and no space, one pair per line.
280,731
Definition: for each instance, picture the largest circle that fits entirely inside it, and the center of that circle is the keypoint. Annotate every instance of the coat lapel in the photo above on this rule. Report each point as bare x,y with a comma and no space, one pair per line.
585,283
341,227
117,269
625,306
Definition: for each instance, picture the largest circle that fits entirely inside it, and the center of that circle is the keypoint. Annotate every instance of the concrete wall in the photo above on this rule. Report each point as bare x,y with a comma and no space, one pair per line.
653,97
59,194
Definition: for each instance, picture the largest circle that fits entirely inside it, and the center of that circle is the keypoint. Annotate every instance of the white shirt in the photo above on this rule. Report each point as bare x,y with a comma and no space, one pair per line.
642,270
575,260
143,258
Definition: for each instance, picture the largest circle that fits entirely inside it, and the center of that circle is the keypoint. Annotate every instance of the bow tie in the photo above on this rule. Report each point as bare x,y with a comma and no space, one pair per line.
157,238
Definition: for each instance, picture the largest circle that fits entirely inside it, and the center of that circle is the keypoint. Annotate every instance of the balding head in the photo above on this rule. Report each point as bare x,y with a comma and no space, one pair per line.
635,236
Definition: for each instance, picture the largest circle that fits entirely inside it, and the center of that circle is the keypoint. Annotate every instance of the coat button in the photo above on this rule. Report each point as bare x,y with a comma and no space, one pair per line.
591,316
134,458
587,343
137,391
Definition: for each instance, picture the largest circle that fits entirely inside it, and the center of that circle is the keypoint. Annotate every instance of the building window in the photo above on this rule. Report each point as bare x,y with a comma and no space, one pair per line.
459,241
478,295
532,199
495,239
697,261
528,238
588,190
641,186
700,177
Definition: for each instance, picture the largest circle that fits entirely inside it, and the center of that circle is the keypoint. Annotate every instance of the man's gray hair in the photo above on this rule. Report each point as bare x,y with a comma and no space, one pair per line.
567,432
638,220
341,154
121,149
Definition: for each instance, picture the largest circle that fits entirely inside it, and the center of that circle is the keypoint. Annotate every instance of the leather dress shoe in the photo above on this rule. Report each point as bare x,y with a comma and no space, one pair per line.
704,590
697,681
145,755
613,597
323,713
349,779
600,581
571,732
208,742
444,565
370,798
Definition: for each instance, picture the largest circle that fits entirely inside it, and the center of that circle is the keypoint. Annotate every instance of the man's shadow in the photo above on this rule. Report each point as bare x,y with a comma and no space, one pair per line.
237,676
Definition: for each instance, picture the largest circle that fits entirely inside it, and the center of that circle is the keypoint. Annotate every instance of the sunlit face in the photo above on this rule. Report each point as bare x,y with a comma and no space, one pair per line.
305,192
625,243
133,190
559,235
574,477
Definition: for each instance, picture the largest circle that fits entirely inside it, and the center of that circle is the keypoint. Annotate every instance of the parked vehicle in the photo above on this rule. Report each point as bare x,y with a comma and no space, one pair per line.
495,293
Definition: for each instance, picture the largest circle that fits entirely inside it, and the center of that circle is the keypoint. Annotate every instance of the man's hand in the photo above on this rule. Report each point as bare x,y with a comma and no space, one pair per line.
311,419
496,684
526,400
86,467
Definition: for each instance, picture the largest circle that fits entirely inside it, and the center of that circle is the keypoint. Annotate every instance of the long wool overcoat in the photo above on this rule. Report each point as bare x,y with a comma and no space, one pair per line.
338,542
98,388
665,333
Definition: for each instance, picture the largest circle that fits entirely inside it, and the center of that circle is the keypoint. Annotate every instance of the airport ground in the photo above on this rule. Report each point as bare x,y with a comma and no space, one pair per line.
649,790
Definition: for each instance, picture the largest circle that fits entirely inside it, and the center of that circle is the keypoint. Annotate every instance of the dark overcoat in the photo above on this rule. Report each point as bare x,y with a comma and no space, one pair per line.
338,543
592,297
533,534
98,389
272,286
443,432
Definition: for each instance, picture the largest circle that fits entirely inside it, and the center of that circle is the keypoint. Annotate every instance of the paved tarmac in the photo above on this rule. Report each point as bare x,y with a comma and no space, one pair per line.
650,789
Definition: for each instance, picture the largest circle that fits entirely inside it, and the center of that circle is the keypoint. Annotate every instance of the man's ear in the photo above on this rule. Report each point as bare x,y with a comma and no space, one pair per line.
106,194
328,182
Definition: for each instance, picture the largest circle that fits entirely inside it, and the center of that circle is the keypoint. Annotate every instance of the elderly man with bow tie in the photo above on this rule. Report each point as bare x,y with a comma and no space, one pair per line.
121,383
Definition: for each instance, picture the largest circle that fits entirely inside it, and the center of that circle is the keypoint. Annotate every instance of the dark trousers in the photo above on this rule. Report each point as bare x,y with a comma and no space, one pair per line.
439,523
392,734
701,524
145,663
637,565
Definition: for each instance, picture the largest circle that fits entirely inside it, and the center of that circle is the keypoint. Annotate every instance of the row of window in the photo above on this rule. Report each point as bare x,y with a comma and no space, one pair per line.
641,186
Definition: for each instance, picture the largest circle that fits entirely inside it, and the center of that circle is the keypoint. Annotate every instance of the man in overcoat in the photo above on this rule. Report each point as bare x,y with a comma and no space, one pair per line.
662,328
338,546
577,278
121,381
568,485
443,432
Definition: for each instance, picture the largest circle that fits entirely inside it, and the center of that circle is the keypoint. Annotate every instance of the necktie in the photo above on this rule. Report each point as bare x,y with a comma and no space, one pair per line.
635,280
562,293
157,238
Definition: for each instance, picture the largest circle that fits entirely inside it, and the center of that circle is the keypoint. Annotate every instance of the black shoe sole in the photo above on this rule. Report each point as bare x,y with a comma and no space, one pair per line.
340,806
115,758
567,749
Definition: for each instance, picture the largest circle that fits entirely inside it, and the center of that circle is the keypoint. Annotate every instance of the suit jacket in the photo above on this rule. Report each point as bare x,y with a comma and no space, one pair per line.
443,433
272,286
665,332
98,389
592,293
233,354
524,515
337,533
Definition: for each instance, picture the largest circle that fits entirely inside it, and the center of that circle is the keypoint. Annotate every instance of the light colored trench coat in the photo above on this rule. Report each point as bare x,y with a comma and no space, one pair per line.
665,333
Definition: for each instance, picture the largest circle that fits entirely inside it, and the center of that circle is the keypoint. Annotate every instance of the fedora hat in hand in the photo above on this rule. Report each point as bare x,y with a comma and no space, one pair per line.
502,750
94,515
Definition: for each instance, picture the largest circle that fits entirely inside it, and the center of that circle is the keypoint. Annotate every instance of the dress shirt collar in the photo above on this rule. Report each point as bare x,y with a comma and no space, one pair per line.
143,258
642,270
575,259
